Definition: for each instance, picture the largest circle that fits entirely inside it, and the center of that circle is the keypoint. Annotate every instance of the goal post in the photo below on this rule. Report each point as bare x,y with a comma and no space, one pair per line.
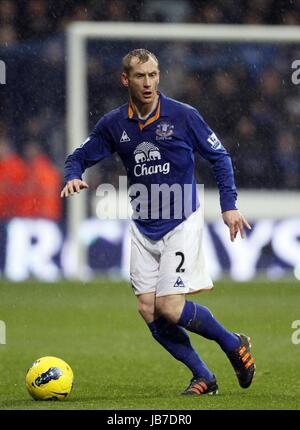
78,33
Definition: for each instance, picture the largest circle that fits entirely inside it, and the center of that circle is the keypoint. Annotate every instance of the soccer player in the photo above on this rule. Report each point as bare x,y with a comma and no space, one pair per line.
156,138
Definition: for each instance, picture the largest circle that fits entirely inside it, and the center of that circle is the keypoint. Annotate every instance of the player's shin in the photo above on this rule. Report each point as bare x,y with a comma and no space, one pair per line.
200,320
176,341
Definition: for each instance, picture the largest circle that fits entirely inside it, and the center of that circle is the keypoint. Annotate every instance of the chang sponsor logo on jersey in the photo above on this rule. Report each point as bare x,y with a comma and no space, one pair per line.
144,153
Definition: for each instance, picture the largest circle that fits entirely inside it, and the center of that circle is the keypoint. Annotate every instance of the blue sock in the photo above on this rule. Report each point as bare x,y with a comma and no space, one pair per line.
199,319
177,342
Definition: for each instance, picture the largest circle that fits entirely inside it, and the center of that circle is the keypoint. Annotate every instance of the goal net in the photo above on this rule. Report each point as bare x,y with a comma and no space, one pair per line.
188,55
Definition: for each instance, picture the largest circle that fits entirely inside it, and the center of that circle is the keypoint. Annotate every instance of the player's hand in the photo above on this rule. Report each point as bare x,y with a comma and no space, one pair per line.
235,222
72,187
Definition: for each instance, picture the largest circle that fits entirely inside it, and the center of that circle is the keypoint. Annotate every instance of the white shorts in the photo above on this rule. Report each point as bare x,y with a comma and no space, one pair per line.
172,265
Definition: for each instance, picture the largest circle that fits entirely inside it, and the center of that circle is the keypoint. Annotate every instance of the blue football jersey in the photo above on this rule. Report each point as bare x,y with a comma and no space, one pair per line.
158,153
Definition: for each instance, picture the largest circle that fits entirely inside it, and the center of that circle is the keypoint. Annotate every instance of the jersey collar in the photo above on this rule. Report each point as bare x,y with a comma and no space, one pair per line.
154,116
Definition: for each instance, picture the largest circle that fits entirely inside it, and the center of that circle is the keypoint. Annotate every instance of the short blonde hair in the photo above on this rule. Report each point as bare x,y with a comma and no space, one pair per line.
142,54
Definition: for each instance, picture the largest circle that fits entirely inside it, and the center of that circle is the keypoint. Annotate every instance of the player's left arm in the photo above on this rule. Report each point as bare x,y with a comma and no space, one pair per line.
209,146
236,223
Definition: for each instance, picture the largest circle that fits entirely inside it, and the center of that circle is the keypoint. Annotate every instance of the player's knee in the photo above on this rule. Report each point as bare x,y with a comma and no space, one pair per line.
170,310
146,310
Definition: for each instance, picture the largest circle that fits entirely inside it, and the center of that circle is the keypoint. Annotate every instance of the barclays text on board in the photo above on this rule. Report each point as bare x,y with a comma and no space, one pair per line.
40,249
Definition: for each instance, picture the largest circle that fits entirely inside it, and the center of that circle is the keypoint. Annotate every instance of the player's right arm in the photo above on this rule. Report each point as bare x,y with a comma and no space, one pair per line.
210,148
98,146
73,186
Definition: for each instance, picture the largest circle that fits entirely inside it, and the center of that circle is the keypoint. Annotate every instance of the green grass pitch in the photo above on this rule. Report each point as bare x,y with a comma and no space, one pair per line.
116,363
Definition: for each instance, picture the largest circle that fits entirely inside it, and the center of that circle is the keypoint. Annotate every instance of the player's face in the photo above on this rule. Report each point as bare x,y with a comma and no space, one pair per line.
142,81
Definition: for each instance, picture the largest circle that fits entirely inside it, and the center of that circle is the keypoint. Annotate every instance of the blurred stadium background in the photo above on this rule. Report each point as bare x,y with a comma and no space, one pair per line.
245,93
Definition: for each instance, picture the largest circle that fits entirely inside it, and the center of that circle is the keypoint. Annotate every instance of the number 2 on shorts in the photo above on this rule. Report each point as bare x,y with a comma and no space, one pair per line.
179,268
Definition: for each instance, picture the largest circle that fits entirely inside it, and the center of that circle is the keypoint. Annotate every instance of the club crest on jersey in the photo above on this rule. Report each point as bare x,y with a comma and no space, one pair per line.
164,131
145,152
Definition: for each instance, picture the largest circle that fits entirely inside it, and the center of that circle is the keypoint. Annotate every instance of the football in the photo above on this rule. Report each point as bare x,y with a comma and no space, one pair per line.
49,378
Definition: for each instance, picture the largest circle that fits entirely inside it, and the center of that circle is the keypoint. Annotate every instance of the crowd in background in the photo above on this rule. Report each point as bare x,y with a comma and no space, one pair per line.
30,184
26,19
244,91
